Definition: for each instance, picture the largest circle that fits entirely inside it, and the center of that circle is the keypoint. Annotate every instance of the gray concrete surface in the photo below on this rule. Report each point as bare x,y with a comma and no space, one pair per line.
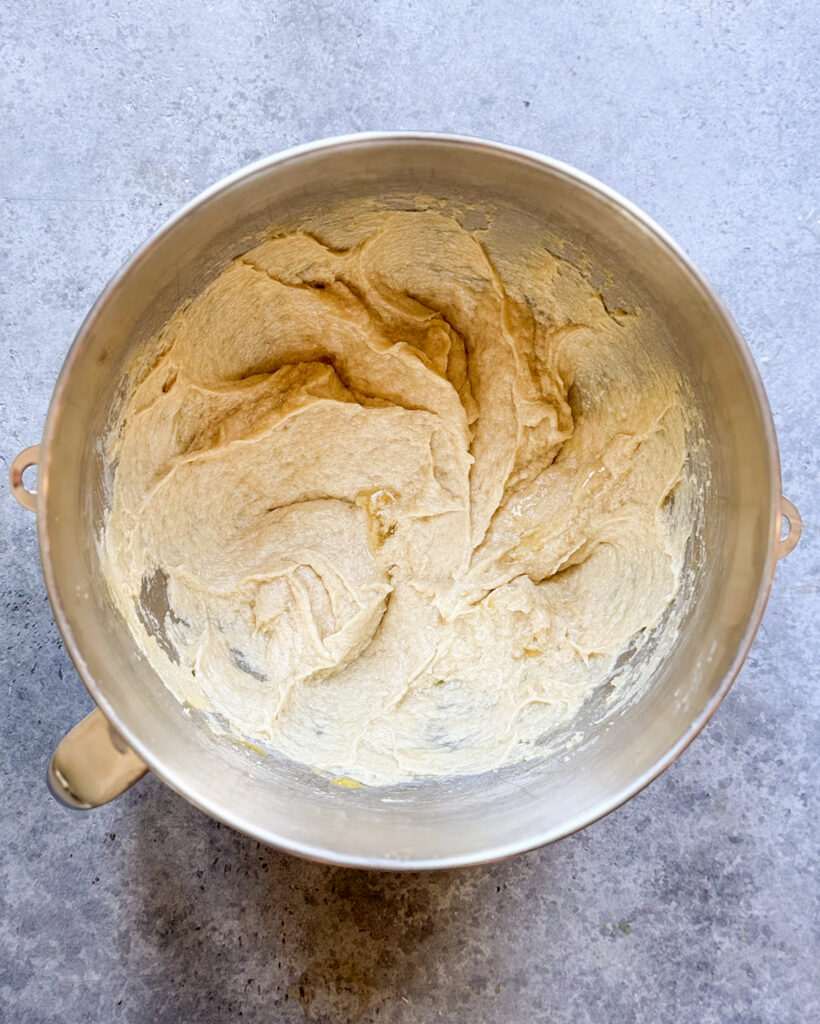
695,902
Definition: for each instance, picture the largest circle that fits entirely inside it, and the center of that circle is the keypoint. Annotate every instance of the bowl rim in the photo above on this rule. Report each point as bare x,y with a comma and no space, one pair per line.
316,851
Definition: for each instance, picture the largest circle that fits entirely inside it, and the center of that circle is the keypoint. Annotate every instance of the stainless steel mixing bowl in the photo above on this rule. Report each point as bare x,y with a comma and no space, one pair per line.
423,824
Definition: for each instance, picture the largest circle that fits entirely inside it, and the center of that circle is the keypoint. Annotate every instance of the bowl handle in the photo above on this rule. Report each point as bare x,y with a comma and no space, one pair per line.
92,765
787,544
27,457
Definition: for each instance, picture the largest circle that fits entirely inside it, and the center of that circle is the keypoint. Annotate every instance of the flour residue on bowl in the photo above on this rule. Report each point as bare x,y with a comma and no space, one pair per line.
391,509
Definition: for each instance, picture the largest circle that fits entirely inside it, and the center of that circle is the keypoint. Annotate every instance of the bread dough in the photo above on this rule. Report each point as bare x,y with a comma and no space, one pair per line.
390,514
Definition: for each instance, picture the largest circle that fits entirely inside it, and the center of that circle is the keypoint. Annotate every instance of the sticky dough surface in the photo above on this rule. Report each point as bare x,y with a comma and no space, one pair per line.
387,512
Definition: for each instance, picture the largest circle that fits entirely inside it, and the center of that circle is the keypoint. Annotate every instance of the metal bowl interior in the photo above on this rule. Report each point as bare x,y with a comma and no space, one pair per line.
424,823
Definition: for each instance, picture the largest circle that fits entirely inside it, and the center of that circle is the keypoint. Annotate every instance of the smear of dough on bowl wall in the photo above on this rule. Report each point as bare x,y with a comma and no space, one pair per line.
403,504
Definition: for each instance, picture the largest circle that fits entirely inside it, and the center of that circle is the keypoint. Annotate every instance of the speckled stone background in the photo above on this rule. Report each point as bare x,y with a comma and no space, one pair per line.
694,902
